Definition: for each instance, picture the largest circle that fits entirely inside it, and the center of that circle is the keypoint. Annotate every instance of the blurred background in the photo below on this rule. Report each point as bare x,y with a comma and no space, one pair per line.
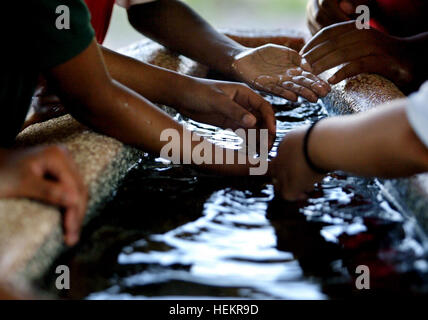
237,14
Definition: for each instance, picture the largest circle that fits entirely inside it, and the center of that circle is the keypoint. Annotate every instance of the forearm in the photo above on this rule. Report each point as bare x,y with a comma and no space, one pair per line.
105,105
156,84
377,143
176,26
133,120
124,115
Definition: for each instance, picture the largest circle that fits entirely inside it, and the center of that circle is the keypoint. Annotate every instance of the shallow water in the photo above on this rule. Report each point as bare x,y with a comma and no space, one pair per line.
171,232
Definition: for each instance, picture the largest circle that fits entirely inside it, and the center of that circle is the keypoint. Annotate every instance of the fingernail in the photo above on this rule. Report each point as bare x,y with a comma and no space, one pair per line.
248,120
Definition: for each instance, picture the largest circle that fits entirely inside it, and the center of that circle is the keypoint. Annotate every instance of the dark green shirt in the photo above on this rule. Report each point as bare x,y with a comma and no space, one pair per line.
32,44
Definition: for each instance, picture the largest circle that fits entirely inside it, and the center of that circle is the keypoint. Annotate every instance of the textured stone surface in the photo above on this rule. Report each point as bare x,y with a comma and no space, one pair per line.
30,232
368,91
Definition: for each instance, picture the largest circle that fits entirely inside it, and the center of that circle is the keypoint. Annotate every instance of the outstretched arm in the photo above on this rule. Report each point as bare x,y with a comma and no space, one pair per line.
176,26
379,143
107,106
223,104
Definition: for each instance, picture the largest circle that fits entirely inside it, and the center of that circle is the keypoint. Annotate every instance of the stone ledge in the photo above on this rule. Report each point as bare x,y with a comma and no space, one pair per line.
362,93
31,232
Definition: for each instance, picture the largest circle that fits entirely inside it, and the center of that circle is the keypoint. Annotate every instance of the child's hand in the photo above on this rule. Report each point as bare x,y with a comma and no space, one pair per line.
228,105
322,13
47,174
366,50
281,71
290,173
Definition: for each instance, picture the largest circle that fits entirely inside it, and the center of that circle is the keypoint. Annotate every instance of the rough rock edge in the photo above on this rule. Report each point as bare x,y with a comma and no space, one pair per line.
357,94
102,188
33,259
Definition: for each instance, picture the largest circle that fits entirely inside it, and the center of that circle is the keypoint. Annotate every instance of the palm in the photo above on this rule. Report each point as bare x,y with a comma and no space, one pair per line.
279,70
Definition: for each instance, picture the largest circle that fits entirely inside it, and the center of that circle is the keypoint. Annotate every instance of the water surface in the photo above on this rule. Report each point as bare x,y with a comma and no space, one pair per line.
172,232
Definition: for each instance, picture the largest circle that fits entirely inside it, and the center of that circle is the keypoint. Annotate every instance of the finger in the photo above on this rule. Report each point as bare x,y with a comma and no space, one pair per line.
262,109
48,192
300,90
319,86
279,90
381,65
55,194
60,165
327,33
235,113
268,84
316,86
72,225
343,55
332,44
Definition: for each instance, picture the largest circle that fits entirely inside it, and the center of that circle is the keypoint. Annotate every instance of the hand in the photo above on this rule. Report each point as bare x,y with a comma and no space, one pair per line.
280,71
45,105
227,105
322,13
360,51
47,174
291,175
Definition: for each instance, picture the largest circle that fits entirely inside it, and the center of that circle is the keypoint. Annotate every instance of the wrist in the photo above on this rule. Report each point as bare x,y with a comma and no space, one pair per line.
232,56
318,147
178,89
306,150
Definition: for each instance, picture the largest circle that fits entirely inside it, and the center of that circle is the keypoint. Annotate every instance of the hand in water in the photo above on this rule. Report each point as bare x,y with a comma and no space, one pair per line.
280,71
227,105
367,50
291,176
47,174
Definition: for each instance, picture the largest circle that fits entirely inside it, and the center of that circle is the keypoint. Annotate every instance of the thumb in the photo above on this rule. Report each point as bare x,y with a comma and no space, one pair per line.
237,114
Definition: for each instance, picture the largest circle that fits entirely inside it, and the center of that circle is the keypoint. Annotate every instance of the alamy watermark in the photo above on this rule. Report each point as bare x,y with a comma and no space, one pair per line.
183,149
363,280
363,20
62,22
62,281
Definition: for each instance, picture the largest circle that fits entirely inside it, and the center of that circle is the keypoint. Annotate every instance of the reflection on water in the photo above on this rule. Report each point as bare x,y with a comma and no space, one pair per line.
171,232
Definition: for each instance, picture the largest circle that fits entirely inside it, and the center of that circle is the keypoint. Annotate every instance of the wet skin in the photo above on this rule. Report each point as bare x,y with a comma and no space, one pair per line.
49,175
401,60
336,41
370,144
275,69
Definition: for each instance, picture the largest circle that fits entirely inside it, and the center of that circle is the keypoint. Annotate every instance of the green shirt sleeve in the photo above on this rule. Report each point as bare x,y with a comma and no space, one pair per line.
61,31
